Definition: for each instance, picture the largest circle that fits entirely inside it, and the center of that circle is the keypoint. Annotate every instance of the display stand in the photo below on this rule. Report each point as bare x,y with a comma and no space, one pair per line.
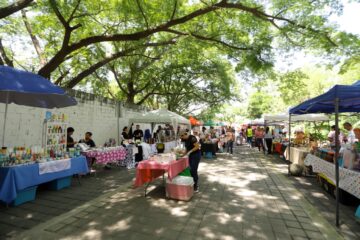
55,133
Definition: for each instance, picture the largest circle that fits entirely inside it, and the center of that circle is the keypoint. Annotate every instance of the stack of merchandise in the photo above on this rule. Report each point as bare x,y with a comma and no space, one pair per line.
164,157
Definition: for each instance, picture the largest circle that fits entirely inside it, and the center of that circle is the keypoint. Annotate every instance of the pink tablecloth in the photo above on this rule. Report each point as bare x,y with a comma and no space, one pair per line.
149,170
107,155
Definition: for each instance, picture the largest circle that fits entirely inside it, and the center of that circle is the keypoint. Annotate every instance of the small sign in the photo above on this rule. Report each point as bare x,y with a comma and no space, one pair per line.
48,115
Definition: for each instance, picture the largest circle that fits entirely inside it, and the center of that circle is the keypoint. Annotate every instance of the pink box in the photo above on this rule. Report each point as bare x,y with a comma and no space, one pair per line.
179,192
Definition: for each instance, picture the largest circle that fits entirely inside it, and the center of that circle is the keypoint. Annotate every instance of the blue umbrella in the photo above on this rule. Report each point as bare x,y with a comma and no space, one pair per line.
29,89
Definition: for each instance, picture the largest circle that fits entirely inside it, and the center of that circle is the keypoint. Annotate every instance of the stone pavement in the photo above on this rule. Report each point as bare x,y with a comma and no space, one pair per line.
51,204
245,196
326,205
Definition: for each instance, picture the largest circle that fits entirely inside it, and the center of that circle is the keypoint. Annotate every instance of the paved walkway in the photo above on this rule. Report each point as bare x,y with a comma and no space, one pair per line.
245,196
51,204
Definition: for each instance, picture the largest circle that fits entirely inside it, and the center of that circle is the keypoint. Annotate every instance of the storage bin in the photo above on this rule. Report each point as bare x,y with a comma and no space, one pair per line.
208,155
60,183
180,188
357,213
25,195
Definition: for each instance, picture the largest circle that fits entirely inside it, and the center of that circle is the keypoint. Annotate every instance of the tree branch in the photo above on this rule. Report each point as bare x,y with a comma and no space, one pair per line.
12,8
73,82
58,14
62,76
73,12
34,39
142,13
174,10
4,56
112,69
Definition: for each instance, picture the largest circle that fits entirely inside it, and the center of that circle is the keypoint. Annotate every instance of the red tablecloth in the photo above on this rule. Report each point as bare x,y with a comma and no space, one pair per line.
107,155
149,170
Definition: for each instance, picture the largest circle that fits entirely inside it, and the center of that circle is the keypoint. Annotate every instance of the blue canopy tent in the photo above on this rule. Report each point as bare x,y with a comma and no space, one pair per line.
29,89
340,98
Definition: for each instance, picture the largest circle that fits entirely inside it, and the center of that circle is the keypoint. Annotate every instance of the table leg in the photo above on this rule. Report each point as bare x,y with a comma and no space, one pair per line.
146,187
78,178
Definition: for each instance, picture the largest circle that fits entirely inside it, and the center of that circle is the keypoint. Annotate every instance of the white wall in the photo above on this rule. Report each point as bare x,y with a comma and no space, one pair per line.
24,124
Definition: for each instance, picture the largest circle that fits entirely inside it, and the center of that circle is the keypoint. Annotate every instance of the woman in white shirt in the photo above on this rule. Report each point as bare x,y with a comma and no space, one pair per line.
268,139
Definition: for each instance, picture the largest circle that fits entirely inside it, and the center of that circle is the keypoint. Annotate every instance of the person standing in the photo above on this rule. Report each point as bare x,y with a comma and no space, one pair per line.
242,136
138,133
70,143
125,133
268,139
259,135
193,151
229,141
331,137
351,135
249,135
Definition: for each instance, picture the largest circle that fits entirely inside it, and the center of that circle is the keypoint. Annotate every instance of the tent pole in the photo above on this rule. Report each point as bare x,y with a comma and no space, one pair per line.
5,116
289,144
337,158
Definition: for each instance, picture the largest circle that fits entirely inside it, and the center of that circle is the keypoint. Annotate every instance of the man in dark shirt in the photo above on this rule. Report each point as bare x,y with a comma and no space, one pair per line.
70,143
87,140
138,133
193,151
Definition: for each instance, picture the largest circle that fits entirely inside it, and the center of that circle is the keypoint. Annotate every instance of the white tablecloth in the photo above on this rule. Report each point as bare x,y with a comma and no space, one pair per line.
147,150
349,180
297,155
54,166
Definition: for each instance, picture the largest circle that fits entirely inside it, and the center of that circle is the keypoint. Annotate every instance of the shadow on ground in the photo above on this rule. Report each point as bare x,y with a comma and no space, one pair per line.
50,204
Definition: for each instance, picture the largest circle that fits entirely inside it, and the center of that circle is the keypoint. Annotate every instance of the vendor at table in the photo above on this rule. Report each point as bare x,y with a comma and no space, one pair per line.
350,138
70,143
125,133
356,148
138,133
331,137
193,151
158,132
88,140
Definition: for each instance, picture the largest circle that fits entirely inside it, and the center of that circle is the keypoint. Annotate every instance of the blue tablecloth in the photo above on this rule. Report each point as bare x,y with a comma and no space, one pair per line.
16,178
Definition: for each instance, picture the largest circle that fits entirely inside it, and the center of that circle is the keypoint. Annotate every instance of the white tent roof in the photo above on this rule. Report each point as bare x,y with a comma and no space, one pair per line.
159,116
296,118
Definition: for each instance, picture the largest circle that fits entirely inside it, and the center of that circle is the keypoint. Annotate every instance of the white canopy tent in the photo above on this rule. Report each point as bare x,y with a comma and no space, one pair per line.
160,116
295,118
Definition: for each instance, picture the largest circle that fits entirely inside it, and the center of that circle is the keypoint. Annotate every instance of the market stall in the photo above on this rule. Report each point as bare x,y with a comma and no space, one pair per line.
340,98
162,116
15,179
148,170
24,167
106,155
296,155
349,179
300,147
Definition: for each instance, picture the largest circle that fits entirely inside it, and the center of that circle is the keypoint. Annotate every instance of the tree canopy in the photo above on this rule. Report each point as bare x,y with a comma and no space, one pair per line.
175,53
